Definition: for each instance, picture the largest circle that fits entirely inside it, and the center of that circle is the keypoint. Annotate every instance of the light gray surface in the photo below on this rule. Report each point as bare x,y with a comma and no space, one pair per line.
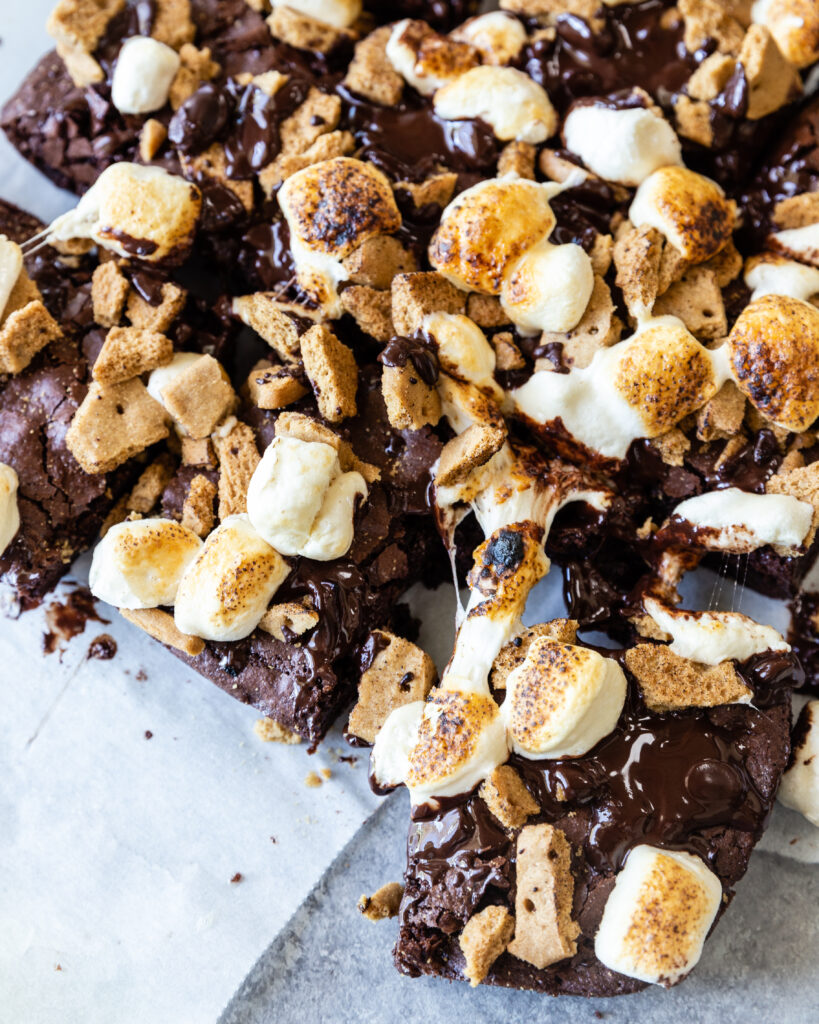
330,965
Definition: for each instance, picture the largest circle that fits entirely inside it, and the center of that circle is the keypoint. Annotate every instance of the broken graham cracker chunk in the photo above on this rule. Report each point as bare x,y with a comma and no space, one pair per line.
280,330
696,299
721,417
671,683
77,26
114,423
109,290
467,452
377,261
507,798
270,731
24,333
772,81
507,355
331,368
199,397
486,310
416,295
289,617
598,328
485,936
156,318
172,23
305,428
383,903
411,403
371,73
399,673
195,68
130,351
514,653
436,190
273,387
302,32
517,158
371,310
212,165
151,139
198,451
197,509
238,458
326,147
161,626
544,930
151,483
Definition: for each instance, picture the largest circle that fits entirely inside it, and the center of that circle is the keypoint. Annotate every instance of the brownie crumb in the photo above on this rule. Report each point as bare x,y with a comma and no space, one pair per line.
102,647
236,878
148,734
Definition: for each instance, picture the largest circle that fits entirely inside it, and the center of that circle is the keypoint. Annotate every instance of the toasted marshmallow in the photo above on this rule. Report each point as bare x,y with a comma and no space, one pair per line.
463,350
9,512
425,59
11,264
689,209
799,788
225,591
549,288
332,208
139,564
625,146
498,37
338,13
389,759
135,211
143,74
301,502
773,350
486,229
514,106
739,521
776,275
562,700
713,637
659,912
803,243
794,24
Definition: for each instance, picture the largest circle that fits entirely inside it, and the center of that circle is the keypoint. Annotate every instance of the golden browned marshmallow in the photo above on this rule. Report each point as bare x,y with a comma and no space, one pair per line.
486,229
498,37
794,24
9,512
331,209
514,106
689,209
549,288
463,350
426,59
338,13
773,350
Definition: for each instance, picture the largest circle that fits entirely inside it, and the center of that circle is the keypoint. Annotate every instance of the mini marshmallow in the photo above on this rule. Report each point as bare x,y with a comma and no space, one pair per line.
794,24
11,265
9,512
425,59
143,74
625,146
226,589
463,350
658,914
338,13
688,208
139,563
513,105
799,788
301,502
498,37
549,288
776,275
739,521
713,637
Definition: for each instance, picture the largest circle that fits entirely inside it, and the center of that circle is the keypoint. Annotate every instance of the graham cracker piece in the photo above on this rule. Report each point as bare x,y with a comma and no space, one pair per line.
598,328
273,387
721,417
507,798
671,446
797,211
486,311
24,333
196,67
326,147
399,674
305,428
197,509
726,265
302,32
383,903
711,77
156,318
435,190
269,731
554,166
514,653
109,290
371,73
199,397
77,26
161,626
544,930
377,261
331,368
238,458
151,139
693,120
294,617
772,80
264,315
507,355
130,351
637,255
517,158
411,402
602,254
801,483
212,164
151,483
673,266
371,310
485,936
113,424
707,22
23,291
697,300
670,683
466,452
172,23
416,295
317,115
198,451
588,10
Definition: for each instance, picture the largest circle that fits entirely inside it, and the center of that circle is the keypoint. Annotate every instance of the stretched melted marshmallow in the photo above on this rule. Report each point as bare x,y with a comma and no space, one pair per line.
625,146
9,512
11,264
549,288
143,74
497,36
514,106
338,13
776,275
713,637
301,502
658,914
225,591
139,564
739,521
562,700
800,783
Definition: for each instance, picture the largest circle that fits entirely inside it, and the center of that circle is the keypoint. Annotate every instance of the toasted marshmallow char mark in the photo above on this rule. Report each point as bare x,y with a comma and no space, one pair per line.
143,74
139,564
657,917
9,512
800,783
562,700
226,590
134,211
513,105
775,275
738,521
301,502
713,637
338,13
497,36
625,146
11,264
